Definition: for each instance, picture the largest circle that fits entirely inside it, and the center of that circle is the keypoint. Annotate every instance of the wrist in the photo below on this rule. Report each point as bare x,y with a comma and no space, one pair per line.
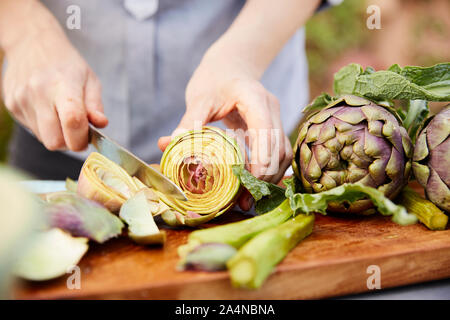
233,60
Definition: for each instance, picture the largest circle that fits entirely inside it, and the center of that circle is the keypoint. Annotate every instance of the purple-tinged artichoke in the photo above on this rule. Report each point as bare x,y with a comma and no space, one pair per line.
431,159
81,217
352,140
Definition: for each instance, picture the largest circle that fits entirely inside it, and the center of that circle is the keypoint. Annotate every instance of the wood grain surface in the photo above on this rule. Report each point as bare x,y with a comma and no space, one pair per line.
332,261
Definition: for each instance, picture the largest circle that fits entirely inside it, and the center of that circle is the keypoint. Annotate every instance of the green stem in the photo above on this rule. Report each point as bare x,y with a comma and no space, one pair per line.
254,262
237,233
425,210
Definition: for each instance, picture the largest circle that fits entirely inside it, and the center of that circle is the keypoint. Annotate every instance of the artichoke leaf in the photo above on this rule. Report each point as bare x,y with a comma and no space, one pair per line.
51,255
142,229
347,193
408,83
267,196
81,217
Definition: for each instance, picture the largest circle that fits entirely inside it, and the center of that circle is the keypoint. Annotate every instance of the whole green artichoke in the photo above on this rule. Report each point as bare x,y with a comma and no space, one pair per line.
352,140
431,159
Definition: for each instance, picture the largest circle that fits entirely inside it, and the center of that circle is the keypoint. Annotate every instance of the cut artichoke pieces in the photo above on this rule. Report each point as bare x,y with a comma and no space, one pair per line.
137,213
19,215
81,217
149,192
71,185
104,181
52,254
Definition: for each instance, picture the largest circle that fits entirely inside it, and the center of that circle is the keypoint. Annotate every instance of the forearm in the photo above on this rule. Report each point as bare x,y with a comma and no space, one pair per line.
23,18
260,31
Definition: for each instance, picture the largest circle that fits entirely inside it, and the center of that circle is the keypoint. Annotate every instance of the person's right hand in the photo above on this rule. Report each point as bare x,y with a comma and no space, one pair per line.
51,90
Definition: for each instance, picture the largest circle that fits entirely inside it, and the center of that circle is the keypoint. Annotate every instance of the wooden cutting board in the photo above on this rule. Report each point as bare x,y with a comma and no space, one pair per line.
332,261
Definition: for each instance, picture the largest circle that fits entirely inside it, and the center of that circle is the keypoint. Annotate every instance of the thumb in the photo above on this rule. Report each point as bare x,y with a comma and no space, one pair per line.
93,101
192,119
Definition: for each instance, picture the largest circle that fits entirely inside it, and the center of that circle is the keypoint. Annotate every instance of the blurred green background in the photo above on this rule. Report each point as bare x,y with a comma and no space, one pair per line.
413,32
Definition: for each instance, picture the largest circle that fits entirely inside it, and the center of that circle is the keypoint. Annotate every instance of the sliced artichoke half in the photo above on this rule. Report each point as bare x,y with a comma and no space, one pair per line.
104,181
200,163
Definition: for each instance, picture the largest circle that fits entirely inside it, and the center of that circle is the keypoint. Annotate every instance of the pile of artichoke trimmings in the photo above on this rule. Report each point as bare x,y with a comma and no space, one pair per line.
350,139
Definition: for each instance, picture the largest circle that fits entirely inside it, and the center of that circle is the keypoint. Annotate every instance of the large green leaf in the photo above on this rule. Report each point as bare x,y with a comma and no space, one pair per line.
267,195
318,202
408,83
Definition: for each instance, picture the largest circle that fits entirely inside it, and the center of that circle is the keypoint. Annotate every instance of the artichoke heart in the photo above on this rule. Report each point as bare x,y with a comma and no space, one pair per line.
105,182
200,163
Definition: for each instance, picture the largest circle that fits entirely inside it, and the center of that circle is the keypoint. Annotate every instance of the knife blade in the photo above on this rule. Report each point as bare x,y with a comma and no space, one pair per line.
133,165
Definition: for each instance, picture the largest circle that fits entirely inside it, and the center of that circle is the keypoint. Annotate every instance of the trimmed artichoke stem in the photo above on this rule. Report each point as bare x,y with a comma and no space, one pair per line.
254,262
425,210
237,233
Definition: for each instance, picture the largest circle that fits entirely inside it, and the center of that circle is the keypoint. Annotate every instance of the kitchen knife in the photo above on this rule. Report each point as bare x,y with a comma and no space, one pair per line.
133,165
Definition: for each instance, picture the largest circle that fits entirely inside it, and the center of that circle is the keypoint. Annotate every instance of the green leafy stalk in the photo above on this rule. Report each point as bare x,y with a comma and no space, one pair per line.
254,262
425,210
318,202
409,83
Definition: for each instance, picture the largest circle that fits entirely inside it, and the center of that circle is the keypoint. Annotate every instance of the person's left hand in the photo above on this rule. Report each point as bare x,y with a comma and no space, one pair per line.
225,89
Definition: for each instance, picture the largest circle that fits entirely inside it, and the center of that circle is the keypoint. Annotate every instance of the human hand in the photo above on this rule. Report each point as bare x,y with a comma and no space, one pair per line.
222,89
51,90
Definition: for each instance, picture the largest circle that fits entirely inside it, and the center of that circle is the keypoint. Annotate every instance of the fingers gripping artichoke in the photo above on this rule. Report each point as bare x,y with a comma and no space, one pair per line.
352,140
431,159
105,182
200,163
